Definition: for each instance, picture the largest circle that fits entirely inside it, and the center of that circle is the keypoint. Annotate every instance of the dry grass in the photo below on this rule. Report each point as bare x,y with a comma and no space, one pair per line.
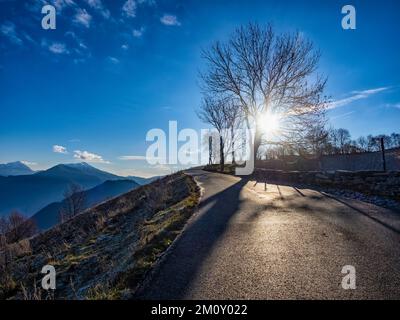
103,292
157,235
108,249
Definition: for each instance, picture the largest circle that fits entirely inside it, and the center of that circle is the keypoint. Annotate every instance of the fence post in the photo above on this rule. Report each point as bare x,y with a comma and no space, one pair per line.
210,150
383,155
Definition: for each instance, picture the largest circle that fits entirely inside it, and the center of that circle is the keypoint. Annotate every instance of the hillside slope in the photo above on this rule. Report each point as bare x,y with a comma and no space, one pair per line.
142,181
30,193
105,252
49,216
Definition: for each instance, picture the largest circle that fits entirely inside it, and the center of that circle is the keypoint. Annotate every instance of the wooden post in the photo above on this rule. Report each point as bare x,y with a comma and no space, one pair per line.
233,145
265,181
210,150
221,153
383,155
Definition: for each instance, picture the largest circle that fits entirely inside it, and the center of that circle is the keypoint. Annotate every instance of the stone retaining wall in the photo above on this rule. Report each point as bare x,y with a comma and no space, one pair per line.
385,184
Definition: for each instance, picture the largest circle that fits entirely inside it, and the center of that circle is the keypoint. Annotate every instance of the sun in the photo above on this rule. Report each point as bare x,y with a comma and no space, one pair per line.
268,122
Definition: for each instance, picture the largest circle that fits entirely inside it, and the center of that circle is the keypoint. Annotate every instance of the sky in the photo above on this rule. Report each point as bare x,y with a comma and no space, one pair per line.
111,71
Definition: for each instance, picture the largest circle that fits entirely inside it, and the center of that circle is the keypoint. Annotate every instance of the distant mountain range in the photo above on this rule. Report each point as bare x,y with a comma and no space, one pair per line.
50,215
29,193
14,169
143,181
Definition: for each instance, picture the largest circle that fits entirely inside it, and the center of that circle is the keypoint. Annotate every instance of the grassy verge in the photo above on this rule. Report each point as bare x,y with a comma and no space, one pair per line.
156,235
105,252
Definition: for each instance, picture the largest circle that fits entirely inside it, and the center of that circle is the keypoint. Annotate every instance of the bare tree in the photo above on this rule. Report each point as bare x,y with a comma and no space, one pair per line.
16,227
266,72
215,154
3,226
213,111
362,144
317,139
373,144
233,116
13,228
320,141
73,203
343,140
387,140
395,140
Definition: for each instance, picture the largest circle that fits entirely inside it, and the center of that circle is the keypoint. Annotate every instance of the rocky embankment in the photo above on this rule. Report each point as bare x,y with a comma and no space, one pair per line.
376,187
105,252
379,188
385,184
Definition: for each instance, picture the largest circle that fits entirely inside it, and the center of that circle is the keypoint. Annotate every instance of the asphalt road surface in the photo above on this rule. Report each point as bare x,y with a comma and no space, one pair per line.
279,242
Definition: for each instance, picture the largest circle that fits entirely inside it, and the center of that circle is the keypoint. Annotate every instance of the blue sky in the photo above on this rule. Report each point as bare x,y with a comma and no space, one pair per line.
112,70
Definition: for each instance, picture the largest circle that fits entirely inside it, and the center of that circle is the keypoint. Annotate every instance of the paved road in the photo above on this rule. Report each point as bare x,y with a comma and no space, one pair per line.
246,242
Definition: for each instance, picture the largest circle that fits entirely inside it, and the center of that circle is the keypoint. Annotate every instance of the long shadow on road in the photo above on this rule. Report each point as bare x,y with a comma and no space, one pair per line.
180,272
173,277
366,214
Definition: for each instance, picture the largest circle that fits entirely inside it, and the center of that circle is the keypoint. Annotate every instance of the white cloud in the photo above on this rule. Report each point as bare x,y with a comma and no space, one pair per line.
59,149
371,91
139,158
356,95
98,5
148,2
29,163
162,168
8,30
129,8
58,48
82,45
113,60
137,33
71,34
125,47
83,18
61,4
343,115
89,157
392,105
29,38
78,61
170,20
81,49
132,158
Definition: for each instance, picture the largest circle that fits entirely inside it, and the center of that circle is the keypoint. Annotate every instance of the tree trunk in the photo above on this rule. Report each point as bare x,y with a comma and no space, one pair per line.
221,152
257,142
